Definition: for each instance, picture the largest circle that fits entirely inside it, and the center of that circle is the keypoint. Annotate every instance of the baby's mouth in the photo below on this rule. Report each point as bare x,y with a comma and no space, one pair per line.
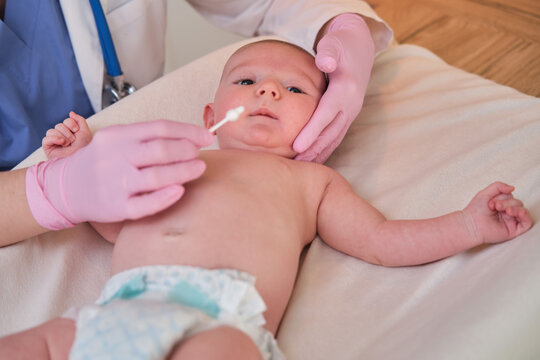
264,112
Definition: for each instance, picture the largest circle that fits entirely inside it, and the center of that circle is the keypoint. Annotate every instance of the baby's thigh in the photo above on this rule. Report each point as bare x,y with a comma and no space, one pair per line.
52,340
223,342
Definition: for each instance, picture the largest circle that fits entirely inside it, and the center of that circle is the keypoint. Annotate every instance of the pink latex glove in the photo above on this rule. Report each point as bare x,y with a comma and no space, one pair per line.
125,172
346,53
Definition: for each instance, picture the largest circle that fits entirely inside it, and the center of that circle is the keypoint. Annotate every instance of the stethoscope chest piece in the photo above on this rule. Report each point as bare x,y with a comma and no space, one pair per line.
114,86
115,89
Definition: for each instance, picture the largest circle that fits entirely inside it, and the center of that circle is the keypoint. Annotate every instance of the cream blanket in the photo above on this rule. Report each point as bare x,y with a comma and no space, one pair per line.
428,138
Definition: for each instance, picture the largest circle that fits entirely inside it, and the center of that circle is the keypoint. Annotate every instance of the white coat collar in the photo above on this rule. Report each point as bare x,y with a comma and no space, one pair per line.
86,47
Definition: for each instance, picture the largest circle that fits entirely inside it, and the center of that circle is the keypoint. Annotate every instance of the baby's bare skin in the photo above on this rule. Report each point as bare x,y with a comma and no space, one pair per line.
254,209
233,217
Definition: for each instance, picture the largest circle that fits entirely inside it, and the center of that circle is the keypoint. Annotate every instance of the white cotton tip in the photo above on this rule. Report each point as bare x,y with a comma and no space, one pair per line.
231,115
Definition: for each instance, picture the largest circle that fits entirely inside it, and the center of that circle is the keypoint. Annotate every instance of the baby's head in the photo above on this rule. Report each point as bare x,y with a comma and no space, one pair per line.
280,87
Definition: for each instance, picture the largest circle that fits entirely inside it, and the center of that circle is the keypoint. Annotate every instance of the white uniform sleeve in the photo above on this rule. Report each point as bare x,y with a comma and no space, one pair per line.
297,21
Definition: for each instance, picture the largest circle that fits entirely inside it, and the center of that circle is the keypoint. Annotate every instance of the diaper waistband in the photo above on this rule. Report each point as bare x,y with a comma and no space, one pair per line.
225,294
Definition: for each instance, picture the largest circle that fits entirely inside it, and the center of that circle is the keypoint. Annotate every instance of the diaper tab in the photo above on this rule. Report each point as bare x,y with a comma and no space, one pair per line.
241,298
129,290
187,294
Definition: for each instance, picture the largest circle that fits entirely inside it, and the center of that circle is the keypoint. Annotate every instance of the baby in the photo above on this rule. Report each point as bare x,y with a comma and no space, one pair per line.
212,274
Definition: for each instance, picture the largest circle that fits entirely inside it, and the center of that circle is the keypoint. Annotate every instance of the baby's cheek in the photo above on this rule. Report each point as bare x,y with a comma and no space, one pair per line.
300,123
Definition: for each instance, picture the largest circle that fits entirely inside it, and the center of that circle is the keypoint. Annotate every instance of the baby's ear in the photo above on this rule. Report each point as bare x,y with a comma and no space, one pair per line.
208,115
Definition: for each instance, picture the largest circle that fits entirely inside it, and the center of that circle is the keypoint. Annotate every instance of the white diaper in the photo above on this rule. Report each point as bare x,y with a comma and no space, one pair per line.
144,312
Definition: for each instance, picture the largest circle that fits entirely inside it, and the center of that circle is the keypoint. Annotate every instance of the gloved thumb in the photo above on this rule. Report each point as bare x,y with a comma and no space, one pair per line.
329,52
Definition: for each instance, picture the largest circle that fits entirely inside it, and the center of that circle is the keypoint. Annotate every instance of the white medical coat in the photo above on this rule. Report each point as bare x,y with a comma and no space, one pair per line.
138,30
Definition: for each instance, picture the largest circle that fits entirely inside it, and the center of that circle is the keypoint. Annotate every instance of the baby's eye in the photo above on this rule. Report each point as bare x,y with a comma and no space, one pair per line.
295,90
245,82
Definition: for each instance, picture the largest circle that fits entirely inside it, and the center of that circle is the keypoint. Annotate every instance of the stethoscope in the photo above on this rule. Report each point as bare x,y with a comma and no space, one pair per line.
116,88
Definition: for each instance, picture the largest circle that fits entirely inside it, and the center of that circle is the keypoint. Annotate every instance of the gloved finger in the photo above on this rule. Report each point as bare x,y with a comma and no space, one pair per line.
168,129
329,50
325,144
153,202
325,113
65,131
156,177
162,151
334,143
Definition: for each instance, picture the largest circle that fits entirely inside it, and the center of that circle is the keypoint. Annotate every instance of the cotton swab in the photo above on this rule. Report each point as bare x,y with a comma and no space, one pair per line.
231,115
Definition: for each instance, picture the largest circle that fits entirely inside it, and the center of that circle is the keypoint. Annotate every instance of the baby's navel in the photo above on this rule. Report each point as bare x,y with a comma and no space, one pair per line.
173,234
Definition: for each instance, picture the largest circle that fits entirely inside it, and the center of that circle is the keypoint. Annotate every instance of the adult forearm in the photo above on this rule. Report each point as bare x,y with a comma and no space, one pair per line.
16,220
414,242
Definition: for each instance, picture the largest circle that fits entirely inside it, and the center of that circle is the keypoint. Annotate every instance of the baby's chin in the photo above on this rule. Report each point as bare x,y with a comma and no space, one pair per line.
285,151
260,138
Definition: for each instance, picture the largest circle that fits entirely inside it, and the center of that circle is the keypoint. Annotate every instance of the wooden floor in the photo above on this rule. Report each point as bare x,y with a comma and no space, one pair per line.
497,39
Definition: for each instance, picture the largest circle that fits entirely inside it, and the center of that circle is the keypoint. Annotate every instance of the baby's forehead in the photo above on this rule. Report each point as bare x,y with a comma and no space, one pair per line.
274,53
271,47
275,44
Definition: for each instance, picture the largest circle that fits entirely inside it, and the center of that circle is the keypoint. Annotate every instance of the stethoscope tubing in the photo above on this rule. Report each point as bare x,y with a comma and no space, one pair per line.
109,52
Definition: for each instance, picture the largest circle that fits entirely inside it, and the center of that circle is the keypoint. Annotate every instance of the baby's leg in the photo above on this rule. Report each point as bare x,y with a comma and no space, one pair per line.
223,342
51,340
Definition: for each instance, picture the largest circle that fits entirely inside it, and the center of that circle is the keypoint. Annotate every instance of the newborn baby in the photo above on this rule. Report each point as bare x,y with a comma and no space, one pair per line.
215,271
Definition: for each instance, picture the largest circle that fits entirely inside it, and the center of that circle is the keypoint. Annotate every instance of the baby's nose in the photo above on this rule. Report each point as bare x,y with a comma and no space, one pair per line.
269,88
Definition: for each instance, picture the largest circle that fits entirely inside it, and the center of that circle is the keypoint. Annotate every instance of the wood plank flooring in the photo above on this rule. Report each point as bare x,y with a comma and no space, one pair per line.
496,39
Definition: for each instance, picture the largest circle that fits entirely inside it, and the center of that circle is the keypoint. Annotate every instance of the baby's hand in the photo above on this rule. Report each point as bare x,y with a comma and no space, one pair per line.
496,215
67,137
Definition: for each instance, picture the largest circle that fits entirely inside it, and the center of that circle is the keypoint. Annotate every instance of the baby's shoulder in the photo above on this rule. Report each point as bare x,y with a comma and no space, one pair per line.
313,167
315,174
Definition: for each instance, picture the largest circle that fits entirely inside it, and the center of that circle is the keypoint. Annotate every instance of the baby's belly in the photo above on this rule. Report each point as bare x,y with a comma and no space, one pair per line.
196,248
271,257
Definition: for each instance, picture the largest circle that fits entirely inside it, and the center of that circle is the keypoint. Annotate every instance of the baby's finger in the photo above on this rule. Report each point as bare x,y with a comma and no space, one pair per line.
65,131
81,122
512,211
495,189
54,137
54,132
492,202
502,204
53,140
71,124
525,220
503,196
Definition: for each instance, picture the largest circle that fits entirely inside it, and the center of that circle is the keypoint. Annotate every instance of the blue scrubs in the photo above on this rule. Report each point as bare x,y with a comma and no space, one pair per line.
39,78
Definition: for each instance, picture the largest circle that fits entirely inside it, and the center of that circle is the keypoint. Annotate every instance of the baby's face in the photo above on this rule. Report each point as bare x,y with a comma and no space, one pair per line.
279,86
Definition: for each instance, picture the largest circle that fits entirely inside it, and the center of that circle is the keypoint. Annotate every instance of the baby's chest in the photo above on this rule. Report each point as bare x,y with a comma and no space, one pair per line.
249,186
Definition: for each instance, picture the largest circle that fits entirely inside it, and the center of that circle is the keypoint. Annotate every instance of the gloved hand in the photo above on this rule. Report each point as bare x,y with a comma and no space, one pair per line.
125,172
346,53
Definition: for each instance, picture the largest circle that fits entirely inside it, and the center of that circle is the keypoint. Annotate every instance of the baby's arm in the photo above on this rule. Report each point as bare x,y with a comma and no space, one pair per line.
351,225
67,137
